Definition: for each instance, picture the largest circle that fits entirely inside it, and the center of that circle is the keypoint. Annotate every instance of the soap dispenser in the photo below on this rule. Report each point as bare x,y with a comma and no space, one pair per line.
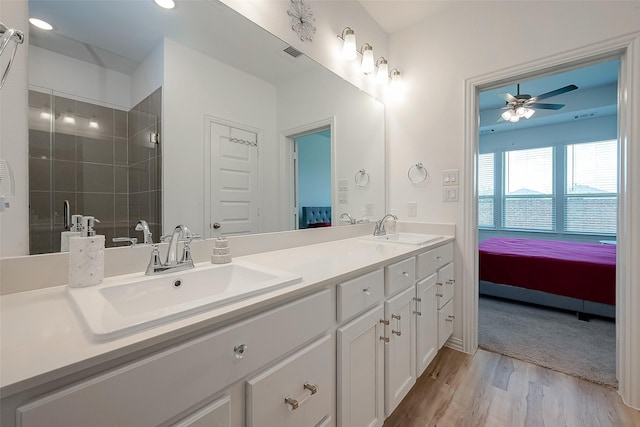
86,256
74,231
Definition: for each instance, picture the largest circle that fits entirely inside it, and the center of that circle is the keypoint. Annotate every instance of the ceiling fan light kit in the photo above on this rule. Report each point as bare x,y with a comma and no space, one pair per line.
523,105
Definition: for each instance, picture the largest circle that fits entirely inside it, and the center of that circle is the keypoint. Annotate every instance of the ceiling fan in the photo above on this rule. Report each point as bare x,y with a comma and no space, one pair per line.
522,105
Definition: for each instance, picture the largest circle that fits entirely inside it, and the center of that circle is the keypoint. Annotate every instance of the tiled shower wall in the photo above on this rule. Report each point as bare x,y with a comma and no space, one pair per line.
93,166
145,163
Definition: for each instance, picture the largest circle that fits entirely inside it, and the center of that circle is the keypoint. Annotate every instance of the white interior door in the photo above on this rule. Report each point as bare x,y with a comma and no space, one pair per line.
233,183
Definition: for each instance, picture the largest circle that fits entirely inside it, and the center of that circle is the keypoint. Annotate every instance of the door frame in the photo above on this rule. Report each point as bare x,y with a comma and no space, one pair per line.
627,49
287,174
206,150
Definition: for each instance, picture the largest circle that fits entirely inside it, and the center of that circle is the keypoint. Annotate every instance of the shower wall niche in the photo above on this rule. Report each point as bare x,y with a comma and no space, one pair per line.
103,160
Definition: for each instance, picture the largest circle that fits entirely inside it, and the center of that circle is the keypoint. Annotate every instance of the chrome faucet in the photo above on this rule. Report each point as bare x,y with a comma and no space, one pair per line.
379,230
146,232
349,218
180,234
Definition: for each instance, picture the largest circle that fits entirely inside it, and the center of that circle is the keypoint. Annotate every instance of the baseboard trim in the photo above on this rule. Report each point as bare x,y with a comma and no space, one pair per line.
455,344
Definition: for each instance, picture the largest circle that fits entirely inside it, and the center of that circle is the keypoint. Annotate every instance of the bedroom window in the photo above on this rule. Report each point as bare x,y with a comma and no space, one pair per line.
528,197
591,187
486,190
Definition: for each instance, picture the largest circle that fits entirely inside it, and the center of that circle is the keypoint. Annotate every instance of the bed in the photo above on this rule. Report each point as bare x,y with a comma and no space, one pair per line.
315,216
570,275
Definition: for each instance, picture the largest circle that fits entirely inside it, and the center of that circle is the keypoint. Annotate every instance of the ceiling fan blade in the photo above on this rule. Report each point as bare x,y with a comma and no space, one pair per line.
507,97
562,90
543,106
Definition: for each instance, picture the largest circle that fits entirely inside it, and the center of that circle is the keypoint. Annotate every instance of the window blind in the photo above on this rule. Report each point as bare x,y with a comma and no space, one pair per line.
591,187
486,189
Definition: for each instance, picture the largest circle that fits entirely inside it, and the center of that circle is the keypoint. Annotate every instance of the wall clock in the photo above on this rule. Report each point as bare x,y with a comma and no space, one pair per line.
302,20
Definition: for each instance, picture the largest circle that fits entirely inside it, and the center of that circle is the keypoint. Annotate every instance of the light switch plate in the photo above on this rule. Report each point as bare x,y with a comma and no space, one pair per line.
343,198
412,209
450,177
343,184
450,194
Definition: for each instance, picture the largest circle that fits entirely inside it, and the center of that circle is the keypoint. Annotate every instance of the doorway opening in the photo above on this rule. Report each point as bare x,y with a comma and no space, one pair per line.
309,175
547,220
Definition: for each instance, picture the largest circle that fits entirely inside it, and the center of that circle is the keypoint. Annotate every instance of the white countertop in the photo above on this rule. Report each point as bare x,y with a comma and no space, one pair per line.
42,338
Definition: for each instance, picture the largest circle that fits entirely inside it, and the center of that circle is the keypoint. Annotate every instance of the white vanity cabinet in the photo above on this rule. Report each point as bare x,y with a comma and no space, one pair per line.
167,384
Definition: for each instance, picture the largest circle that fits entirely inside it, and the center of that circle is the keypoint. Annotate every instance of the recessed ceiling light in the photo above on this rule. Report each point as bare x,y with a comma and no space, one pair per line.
167,4
43,25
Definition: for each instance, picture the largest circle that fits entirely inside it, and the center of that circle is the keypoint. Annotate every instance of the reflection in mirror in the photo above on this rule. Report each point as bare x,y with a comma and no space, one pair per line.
194,115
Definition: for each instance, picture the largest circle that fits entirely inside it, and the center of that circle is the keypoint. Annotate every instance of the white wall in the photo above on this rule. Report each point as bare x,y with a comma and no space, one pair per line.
79,79
14,222
148,77
471,39
209,87
331,17
359,133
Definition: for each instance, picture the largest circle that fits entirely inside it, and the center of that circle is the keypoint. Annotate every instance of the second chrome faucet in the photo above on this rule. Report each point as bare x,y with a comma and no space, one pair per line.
180,234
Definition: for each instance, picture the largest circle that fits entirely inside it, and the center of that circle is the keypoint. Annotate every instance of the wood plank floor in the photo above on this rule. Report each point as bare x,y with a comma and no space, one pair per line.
488,389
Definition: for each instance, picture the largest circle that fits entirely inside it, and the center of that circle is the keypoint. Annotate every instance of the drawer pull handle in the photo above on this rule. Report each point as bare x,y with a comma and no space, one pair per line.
451,281
367,290
295,403
398,318
384,322
240,350
418,306
450,318
439,295
405,273
383,338
438,257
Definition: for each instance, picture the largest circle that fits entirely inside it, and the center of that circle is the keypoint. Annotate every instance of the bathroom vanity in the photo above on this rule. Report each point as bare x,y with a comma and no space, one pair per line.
343,347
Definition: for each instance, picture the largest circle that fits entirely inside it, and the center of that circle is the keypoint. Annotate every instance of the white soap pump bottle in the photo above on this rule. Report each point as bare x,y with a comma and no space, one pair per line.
74,231
86,256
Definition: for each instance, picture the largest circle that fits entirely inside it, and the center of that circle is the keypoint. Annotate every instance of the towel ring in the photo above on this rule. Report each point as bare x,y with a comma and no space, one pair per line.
362,178
417,173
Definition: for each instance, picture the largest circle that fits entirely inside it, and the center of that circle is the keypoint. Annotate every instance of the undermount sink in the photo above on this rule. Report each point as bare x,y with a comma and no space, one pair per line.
404,238
126,304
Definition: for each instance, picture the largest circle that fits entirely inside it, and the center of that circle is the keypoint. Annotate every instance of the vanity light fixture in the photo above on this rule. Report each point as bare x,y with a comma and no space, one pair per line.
166,4
382,77
68,118
396,77
367,58
93,123
39,23
348,38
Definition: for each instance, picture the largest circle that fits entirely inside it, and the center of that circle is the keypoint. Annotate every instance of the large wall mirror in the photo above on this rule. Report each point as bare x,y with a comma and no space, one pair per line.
193,115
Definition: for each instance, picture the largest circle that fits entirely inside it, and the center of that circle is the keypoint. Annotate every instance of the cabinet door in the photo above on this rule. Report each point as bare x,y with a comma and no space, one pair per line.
445,323
400,351
361,371
426,323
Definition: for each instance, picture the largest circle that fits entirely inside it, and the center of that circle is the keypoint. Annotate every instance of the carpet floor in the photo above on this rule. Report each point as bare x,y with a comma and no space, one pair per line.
551,338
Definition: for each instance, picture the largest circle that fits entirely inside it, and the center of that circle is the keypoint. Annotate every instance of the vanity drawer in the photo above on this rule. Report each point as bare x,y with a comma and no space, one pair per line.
157,388
444,290
356,295
295,392
429,261
400,275
216,414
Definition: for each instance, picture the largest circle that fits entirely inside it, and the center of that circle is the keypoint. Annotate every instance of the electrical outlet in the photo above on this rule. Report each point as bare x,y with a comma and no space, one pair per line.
369,209
343,184
412,210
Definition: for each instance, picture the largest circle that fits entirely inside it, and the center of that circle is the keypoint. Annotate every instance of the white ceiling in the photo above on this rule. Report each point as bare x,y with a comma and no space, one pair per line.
394,15
119,34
